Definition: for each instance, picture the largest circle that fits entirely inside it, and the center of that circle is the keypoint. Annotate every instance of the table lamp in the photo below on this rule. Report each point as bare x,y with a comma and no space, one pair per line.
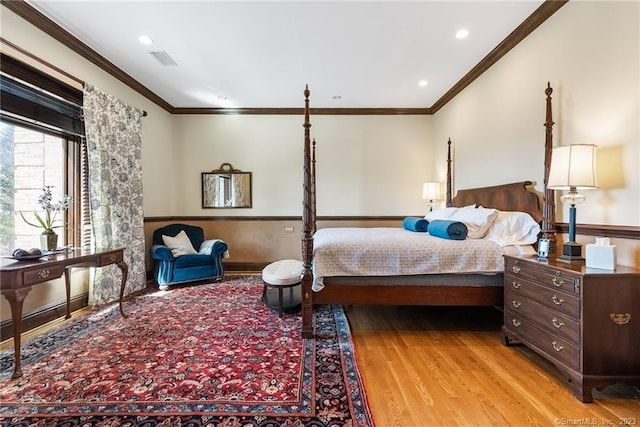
431,193
573,168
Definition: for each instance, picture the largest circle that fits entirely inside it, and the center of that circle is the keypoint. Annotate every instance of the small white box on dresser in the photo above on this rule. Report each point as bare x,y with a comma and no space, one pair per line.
601,256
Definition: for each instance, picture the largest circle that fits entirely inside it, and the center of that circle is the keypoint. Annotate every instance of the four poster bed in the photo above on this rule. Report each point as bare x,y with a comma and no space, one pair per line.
455,286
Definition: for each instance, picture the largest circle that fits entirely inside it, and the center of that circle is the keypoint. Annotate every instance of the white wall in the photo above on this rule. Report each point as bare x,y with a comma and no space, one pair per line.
366,165
590,52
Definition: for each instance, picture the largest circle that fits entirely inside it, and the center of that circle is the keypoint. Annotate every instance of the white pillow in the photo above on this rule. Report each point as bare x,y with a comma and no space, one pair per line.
179,245
478,221
513,228
442,213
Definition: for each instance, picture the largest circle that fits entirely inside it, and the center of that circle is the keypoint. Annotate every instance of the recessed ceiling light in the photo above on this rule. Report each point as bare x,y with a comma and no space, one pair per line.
423,83
461,34
145,40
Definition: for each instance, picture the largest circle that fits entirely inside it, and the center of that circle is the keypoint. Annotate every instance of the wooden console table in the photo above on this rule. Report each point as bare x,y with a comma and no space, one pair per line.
17,278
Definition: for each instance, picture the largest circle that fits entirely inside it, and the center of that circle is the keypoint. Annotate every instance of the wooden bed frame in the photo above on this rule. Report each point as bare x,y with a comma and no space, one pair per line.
427,289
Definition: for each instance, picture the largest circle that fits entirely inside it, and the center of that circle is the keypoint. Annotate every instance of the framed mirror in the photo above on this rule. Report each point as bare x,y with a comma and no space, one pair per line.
226,187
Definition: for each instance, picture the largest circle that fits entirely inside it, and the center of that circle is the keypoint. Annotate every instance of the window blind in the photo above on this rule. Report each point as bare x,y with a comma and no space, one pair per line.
31,96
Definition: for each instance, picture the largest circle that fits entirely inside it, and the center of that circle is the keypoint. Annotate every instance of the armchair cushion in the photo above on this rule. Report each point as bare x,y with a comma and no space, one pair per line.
179,245
191,261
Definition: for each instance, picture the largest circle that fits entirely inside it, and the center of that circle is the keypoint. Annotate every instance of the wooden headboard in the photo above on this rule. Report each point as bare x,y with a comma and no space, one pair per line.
505,197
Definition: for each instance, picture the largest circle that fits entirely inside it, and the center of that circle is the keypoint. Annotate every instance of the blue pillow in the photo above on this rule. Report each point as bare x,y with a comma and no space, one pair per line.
448,229
415,224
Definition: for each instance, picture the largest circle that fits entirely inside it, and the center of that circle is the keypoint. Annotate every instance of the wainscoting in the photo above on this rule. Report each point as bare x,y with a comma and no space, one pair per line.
257,241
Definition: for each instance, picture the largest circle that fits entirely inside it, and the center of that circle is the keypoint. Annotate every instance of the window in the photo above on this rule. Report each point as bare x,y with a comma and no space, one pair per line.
32,160
41,144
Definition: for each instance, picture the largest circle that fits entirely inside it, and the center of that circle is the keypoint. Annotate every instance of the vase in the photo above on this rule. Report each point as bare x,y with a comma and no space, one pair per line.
49,241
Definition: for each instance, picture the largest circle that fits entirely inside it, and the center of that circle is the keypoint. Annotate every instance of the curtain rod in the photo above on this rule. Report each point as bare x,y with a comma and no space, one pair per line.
48,64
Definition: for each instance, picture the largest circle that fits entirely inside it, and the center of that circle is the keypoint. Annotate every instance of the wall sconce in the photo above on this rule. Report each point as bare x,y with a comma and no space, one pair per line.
573,167
431,193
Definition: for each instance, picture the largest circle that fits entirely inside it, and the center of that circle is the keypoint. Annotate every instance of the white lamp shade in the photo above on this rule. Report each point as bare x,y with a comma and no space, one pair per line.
431,190
573,166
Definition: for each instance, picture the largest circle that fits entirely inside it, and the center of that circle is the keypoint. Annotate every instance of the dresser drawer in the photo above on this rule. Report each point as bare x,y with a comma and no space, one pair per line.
553,346
551,320
39,275
558,301
111,258
544,275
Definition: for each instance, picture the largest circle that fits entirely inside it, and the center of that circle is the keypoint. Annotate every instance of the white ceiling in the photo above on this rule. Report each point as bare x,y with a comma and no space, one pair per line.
261,54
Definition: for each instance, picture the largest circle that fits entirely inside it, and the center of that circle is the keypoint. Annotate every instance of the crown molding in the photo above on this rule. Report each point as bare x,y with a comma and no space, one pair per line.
314,111
541,14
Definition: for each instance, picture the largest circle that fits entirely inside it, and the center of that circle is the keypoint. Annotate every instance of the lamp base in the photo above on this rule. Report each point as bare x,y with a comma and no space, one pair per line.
571,253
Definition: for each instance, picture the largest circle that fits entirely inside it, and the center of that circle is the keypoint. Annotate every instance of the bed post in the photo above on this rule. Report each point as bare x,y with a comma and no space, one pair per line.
549,204
449,184
314,215
307,226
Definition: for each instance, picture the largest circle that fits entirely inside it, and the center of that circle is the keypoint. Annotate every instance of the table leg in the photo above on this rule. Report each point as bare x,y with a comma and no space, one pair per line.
67,284
16,299
125,271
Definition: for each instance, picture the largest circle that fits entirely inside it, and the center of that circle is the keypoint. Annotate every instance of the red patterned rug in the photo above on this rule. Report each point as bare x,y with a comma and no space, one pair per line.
199,355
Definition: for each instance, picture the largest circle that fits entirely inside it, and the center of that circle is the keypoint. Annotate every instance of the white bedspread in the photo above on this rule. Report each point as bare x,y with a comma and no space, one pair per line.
383,251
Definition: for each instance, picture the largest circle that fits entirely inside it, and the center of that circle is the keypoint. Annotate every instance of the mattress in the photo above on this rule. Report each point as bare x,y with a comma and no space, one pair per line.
386,251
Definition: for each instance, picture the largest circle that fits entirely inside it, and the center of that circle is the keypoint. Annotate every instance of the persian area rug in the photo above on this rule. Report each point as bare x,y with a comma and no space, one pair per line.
197,355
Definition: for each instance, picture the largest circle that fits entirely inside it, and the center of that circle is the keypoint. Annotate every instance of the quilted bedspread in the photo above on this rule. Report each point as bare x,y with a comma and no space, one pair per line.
383,251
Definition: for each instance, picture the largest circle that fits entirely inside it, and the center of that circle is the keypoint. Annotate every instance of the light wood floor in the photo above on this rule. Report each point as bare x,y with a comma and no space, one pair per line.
446,366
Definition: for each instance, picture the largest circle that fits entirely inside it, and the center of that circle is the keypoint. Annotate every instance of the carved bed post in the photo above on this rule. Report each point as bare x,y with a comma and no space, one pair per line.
307,226
549,203
449,176
314,214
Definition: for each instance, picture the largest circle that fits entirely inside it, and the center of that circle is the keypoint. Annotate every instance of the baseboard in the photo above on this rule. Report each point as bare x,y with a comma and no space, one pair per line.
244,266
43,315
231,267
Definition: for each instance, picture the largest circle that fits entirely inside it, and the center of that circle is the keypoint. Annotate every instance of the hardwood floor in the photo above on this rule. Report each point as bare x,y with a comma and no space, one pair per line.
447,366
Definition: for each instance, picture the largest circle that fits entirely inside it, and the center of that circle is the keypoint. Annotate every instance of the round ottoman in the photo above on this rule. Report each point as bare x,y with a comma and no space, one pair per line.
280,275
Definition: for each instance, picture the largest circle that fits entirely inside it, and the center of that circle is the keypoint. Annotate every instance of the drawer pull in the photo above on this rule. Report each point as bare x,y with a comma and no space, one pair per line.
556,346
556,300
44,274
558,324
112,258
558,281
516,304
516,284
516,269
620,318
516,322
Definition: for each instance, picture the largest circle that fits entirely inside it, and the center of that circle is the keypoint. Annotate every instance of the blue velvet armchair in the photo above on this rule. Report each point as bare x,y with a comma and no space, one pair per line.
202,261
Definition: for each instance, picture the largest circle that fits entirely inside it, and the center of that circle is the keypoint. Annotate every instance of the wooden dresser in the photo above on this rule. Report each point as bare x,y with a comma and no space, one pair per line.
585,321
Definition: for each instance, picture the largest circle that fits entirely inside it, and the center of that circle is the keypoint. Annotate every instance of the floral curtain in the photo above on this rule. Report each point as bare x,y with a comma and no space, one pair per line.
114,148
